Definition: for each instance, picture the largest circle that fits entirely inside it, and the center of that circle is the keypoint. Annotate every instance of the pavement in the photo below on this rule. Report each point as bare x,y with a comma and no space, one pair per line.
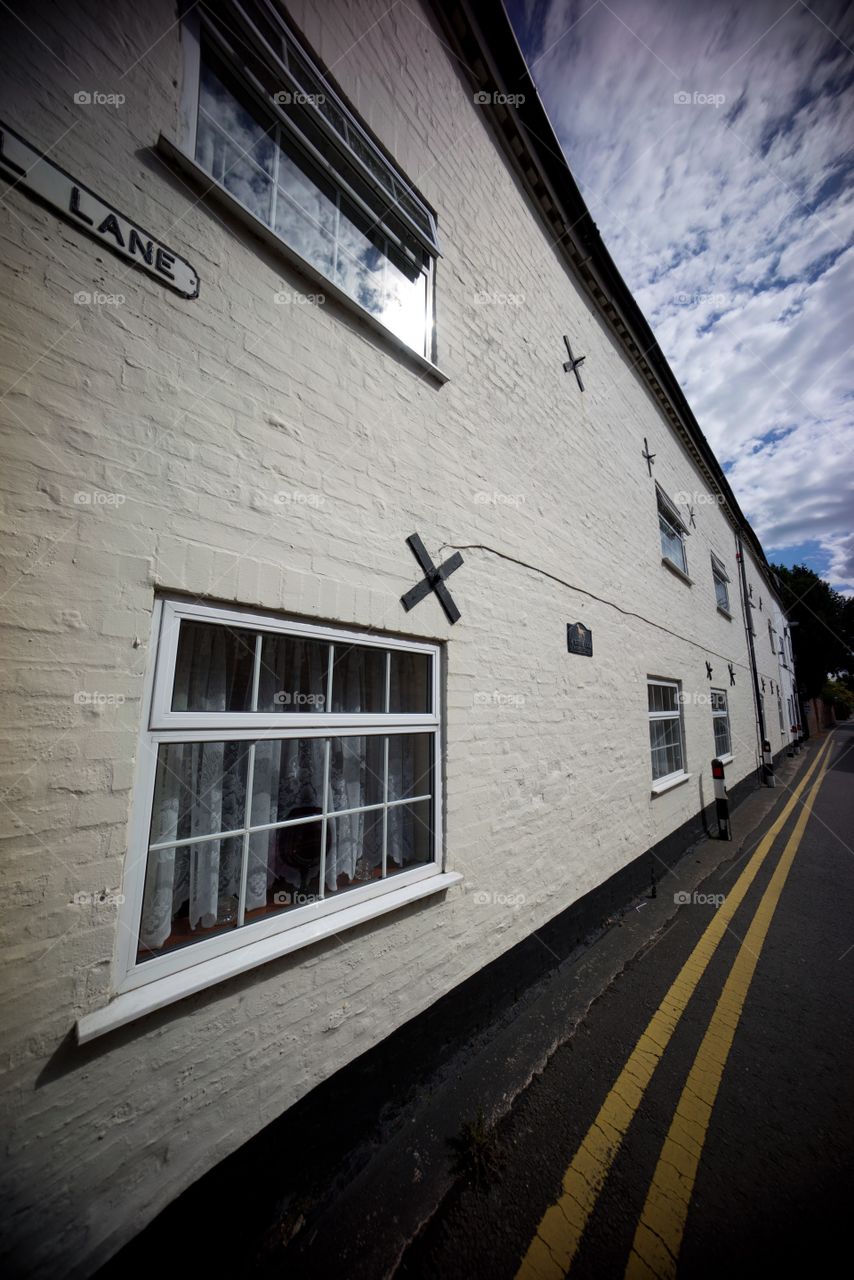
689,1102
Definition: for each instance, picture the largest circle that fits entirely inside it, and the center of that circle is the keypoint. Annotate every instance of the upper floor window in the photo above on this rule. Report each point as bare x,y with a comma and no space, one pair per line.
272,132
771,639
290,770
673,532
721,580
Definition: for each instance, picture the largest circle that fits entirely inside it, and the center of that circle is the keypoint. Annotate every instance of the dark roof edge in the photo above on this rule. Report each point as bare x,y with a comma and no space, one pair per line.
494,62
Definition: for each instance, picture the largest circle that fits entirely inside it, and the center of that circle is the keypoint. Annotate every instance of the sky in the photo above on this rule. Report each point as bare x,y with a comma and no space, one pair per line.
714,145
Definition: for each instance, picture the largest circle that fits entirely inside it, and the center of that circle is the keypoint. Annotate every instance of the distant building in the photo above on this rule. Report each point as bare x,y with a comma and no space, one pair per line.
282,293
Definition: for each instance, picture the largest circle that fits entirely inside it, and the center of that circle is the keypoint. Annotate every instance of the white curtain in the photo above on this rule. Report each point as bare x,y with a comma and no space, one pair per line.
201,788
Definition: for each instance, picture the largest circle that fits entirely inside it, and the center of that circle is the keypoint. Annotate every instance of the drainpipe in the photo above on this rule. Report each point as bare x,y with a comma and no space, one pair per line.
748,623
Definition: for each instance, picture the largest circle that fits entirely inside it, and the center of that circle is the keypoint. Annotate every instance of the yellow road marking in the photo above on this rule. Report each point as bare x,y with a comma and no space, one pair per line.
659,1233
553,1248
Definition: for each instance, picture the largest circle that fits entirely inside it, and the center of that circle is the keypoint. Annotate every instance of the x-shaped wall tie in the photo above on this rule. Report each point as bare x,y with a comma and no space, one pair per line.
434,580
573,364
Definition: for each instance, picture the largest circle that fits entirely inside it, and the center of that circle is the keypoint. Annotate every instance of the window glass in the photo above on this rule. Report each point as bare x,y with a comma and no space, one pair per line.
199,790
287,780
214,668
191,893
666,745
410,836
293,675
663,697
672,546
358,679
356,772
409,684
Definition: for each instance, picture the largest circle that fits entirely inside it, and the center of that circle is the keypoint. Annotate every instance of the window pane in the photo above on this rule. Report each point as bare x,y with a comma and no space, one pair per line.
234,141
288,779
671,545
663,733
293,674
190,894
306,210
405,302
231,112
666,747
360,264
200,789
358,679
355,772
284,868
409,684
410,836
722,742
721,593
410,761
214,668
663,697
355,853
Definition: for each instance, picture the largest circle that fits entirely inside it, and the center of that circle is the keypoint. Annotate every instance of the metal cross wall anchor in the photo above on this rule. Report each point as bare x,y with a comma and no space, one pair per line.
573,364
708,670
691,516
731,673
650,457
434,579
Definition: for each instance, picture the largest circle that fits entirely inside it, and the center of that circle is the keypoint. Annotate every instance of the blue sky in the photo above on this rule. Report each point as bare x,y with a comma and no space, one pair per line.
714,145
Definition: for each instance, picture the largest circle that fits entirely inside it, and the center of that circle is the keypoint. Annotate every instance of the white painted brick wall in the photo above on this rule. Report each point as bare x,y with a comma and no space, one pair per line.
199,414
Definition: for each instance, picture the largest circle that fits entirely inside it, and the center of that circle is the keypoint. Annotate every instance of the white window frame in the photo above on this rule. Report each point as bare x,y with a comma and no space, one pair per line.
669,515
720,575
185,153
666,781
160,724
722,715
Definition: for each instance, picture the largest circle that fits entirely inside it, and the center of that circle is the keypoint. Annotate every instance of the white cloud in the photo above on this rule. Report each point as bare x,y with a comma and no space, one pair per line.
733,224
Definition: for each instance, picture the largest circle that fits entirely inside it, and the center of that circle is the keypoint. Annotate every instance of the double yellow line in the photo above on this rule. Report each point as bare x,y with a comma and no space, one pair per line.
659,1234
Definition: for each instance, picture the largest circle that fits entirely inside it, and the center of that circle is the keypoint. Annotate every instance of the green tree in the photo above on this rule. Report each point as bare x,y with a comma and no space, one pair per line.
838,692
824,637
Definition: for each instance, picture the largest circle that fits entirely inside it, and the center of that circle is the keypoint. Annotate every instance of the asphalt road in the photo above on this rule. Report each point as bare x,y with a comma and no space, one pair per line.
726,1126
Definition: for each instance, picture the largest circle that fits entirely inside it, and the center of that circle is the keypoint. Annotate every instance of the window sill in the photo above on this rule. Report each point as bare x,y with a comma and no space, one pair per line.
727,759
725,612
171,151
667,784
674,568
131,1005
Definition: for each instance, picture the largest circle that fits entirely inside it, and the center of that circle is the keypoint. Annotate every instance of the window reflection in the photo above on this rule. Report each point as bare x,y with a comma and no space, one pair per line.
256,162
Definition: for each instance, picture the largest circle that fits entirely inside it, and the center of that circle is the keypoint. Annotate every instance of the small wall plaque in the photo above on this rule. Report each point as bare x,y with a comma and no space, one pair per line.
579,639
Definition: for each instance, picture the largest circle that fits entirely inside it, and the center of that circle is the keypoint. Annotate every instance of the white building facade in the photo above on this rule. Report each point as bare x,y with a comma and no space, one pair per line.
282,290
